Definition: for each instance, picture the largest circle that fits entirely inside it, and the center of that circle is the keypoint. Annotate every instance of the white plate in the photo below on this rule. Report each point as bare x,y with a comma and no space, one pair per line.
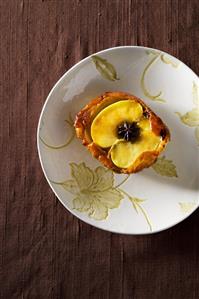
152,200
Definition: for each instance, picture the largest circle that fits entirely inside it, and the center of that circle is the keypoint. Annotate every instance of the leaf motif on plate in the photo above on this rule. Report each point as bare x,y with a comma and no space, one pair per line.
191,118
167,60
153,52
187,207
165,167
105,68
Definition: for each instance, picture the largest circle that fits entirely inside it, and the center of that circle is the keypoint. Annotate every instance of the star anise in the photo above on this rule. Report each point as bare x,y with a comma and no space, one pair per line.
128,131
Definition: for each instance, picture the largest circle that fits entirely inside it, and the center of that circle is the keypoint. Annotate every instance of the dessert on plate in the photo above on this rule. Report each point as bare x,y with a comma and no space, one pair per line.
122,132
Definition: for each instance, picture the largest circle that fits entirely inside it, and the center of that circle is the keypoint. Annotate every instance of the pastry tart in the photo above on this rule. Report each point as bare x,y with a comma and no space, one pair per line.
122,132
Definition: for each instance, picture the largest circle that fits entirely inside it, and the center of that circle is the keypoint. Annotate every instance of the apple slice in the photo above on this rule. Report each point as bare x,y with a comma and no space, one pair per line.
124,154
104,126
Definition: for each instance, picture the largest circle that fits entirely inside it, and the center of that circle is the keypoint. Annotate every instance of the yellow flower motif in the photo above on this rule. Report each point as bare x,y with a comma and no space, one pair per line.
139,136
94,192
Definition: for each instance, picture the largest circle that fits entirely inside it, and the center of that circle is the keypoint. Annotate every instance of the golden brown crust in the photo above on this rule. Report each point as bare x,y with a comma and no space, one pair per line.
84,120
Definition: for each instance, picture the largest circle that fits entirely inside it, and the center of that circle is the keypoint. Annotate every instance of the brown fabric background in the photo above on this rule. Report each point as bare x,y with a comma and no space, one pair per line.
44,251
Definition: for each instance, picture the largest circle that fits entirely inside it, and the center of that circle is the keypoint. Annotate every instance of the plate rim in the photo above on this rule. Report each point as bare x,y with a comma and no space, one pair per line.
39,151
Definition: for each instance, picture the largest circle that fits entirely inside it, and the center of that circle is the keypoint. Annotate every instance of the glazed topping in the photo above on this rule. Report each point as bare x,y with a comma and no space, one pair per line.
128,131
